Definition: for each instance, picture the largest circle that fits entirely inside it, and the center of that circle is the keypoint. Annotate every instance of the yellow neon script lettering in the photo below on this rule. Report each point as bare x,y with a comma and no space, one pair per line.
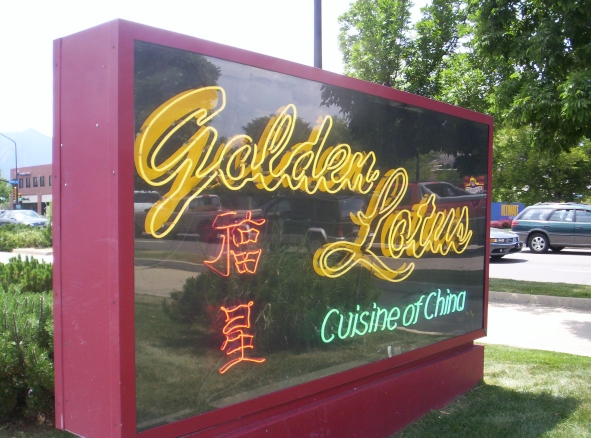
194,105
270,164
403,231
309,166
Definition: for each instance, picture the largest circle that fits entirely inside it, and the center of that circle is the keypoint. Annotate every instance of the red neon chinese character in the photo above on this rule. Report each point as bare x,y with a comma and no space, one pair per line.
237,341
237,235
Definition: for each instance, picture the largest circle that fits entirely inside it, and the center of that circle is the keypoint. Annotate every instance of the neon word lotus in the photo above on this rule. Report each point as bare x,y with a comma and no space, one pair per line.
310,166
360,323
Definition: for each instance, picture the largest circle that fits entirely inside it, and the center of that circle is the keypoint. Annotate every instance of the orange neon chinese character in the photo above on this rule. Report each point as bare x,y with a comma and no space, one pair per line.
237,341
236,236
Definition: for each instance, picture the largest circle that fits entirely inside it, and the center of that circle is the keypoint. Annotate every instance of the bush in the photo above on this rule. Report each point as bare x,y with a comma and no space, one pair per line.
28,275
505,223
23,236
290,299
26,354
48,230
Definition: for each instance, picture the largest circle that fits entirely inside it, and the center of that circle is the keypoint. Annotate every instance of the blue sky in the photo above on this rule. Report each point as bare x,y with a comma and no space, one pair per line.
27,29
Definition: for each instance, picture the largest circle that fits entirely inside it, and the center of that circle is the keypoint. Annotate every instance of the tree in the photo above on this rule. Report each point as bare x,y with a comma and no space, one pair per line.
549,46
416,62
380,45
5,190
160,74
523,173
374,39
438,34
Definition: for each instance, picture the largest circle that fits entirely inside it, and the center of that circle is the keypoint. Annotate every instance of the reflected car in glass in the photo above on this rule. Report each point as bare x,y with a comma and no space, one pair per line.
316,220
503,242
26,217
554,226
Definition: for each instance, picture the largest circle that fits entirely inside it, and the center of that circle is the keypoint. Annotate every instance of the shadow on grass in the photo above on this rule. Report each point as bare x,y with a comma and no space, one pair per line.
494,411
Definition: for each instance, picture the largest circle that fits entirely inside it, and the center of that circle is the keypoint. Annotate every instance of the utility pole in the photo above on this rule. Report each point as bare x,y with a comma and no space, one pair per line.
15,171
318,33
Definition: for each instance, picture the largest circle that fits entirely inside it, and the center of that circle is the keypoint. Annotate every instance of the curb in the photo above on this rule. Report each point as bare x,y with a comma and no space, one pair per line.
170,264
33,251
541,300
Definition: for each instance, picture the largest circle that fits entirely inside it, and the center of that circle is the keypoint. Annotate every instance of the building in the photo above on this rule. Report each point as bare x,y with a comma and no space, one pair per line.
34,187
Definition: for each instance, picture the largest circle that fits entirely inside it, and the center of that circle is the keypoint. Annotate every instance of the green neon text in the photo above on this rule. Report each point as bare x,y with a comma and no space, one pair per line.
343,325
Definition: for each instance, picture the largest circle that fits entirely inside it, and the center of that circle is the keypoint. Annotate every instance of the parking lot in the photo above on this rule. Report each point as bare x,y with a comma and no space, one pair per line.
571,265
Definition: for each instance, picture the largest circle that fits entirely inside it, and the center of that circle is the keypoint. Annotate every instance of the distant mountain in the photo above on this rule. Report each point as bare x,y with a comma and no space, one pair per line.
33,149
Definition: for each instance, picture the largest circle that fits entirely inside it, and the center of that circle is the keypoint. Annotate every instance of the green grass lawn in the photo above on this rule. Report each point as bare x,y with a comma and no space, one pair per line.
525,393
538,288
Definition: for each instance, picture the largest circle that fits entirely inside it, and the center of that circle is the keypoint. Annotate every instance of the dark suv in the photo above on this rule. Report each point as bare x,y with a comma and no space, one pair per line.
318,219
554,226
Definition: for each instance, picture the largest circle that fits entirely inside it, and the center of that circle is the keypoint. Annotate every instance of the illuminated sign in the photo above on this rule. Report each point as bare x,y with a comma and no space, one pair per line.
237,235
307,237
310,166
237,339
510,210
474,185
359,323
331,235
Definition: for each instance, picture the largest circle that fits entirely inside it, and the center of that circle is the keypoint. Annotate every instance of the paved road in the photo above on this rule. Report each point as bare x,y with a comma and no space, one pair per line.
568,266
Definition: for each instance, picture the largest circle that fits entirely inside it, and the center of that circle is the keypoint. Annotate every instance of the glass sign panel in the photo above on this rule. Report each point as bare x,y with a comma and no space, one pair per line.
287,230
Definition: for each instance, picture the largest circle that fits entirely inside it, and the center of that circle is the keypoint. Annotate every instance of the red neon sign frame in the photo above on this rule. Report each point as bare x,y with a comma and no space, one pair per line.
94,343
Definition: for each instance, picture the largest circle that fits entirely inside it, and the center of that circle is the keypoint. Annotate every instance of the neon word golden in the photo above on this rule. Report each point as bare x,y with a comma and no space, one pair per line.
436,304
269,164
309,166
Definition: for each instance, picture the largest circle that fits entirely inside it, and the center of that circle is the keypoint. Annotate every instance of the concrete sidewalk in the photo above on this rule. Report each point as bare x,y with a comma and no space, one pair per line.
528,325
45,255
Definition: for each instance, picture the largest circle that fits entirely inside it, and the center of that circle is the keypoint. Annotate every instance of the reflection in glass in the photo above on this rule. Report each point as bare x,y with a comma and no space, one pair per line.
258,285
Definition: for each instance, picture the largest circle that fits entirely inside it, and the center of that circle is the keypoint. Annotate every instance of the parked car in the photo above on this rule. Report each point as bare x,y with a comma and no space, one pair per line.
448,196
546,225
197,219
27,217
143,200
317,219
503,242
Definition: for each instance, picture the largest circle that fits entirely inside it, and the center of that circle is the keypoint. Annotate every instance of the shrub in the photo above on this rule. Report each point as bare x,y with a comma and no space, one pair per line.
28,275
290,299
23,236
496,224
505,223
26,354
48,230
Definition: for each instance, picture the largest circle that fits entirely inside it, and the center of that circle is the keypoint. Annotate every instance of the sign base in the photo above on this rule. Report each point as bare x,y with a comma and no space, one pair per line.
380,407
